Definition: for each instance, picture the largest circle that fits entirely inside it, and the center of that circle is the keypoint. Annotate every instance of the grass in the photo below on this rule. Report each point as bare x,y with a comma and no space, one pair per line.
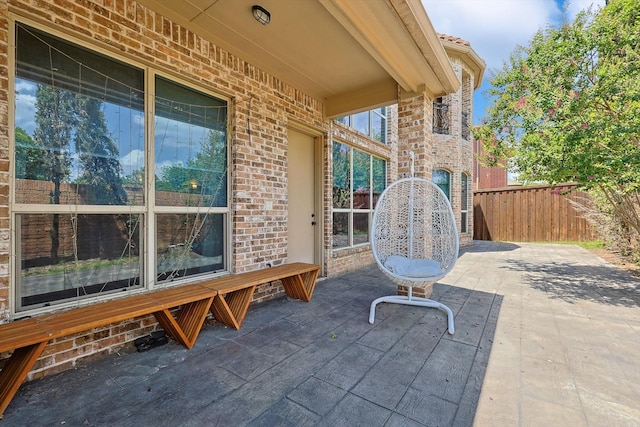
596,244
65,267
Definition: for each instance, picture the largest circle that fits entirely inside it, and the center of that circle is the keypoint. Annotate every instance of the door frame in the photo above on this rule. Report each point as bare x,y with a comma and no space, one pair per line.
318,181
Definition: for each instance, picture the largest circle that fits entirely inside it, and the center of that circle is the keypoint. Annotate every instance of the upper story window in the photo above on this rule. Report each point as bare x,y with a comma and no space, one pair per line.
440,116
106,200
442,179
465,126
464,203
358,180
372,123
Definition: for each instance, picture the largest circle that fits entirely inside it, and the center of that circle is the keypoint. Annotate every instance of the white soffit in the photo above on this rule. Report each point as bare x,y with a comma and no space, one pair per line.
349,54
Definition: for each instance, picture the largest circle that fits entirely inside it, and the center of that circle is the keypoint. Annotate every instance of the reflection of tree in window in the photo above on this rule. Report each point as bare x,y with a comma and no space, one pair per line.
54,126
442,179
341,176
361,179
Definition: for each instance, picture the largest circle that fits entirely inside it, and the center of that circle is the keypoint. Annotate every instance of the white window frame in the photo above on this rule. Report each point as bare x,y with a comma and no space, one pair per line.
148,210
351,210
464,203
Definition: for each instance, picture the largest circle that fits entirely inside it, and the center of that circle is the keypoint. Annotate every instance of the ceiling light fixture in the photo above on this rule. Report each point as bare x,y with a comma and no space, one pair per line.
261,14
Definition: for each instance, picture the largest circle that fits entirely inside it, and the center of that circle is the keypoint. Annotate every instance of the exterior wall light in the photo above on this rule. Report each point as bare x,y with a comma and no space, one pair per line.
261,14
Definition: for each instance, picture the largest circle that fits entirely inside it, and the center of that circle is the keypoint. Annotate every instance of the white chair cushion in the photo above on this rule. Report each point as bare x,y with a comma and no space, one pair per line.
417,268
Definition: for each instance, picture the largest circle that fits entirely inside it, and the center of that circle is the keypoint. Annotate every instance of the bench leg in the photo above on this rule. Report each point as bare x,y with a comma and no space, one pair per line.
231,308
186,326
15,370
301,286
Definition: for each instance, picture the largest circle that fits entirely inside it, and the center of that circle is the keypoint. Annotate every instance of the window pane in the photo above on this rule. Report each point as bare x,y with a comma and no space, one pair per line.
442,179
360,122
463,222
341,176
340,229
464,202
361,179
379,178
67,257
360,228
188,245
379,127
79,130
190,147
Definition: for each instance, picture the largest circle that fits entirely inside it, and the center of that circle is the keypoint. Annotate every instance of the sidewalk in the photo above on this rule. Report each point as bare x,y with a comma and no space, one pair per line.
545,335
567,344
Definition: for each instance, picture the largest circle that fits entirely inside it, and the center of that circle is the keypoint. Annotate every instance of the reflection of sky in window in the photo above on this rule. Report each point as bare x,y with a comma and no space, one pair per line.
177,142
126,126
361,122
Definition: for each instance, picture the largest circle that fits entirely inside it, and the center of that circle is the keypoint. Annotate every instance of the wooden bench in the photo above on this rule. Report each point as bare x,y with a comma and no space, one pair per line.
235,292
227,298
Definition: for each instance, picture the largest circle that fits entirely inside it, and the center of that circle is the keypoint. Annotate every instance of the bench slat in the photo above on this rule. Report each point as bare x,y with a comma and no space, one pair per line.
21,333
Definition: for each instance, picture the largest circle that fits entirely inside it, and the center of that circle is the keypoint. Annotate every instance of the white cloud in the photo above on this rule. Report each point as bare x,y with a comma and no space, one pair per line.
495,27
132,161
575,6
25,105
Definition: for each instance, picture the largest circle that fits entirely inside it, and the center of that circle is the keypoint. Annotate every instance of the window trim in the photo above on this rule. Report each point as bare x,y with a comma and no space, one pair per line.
148,209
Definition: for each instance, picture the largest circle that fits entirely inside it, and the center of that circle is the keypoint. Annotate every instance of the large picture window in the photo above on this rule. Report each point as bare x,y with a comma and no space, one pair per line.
358,180
89,217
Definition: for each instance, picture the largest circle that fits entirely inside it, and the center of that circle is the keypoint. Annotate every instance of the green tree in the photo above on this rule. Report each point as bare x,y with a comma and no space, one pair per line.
567,108
54,127
29,159
205,174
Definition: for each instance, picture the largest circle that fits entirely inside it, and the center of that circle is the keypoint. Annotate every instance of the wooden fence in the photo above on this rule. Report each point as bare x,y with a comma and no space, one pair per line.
530,214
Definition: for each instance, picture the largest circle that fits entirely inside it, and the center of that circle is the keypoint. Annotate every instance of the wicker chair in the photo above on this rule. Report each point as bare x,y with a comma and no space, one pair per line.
414,241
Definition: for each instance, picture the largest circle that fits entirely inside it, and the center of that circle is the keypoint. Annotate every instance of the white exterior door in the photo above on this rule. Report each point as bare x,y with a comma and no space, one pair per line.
301,197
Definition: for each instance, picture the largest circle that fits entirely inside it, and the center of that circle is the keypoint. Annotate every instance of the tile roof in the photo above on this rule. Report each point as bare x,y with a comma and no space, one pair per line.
453,39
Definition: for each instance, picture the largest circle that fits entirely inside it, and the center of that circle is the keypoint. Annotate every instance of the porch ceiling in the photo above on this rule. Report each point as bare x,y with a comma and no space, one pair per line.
350,54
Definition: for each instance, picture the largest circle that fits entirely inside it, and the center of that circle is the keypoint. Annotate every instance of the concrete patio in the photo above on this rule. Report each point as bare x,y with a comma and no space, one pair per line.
545,335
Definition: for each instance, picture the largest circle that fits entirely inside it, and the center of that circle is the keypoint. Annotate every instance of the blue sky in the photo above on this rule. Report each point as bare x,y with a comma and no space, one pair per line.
495,27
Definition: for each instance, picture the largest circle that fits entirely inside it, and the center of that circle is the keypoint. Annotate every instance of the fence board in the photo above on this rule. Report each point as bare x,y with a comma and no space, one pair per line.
530,214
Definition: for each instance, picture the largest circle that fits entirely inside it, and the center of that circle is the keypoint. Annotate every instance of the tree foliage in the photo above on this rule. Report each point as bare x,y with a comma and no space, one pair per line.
204,174
98,154
566,108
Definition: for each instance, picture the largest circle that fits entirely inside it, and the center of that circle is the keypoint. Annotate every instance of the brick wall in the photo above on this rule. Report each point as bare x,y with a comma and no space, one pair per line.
452,152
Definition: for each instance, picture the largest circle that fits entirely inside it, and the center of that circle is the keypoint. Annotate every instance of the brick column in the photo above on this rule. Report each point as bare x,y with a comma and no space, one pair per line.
415,122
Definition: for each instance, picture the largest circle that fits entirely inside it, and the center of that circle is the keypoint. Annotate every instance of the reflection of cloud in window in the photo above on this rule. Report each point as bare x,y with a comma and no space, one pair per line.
132,161
25,105
166,164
